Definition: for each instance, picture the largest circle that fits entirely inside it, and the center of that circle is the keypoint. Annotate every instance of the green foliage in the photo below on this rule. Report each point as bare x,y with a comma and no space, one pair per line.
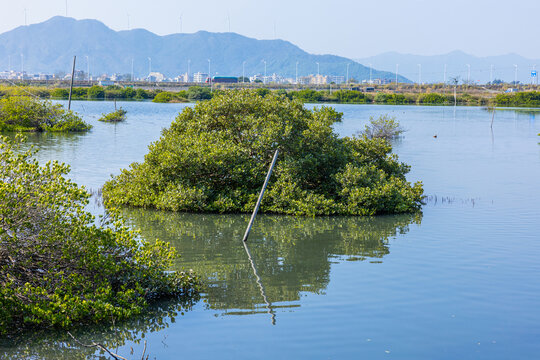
22,113
384,127
195,93
214,158
350,97
96,92
115,116
59,93
432,98
308,95
525,98
167,97
57,268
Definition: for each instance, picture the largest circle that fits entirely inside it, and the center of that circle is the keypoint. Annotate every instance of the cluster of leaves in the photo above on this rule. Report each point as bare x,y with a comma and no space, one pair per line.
384,127
115,116
57,267
215,156
24,113
525,98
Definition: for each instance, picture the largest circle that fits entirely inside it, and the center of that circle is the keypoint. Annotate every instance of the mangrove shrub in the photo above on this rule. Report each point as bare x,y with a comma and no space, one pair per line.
57,267
23,113
215,156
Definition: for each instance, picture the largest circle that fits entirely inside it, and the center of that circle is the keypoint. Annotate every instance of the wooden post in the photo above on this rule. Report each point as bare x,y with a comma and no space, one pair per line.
72,78
261,195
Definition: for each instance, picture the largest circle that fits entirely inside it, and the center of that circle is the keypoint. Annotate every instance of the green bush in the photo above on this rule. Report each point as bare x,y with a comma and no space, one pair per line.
432,98
350,96
166,97
96,92
307,95
60,93
22,113
57,268
215,156
198,93
115,116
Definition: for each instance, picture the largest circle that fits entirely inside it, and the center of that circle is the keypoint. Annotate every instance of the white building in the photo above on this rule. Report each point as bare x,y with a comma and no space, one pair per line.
200,77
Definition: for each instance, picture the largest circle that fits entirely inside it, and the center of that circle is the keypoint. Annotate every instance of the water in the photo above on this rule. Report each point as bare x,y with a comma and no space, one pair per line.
459,280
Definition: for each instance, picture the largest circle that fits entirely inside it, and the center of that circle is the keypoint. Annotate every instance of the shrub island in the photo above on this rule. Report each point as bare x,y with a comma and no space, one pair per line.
215,155
24,113
115,116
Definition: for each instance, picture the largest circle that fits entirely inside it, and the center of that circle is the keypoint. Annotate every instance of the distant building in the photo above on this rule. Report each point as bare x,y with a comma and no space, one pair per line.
155,77
336,79
200,77
257,77
224,79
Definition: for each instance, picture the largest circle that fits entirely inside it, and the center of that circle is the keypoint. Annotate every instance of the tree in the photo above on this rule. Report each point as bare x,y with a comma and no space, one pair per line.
214,158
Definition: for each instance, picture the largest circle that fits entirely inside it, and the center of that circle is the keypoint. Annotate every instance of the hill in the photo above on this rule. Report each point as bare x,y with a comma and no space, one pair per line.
456,66
50,46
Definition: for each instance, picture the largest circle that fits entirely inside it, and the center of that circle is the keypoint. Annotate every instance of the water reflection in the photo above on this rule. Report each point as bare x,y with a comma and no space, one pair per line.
291,254
56,344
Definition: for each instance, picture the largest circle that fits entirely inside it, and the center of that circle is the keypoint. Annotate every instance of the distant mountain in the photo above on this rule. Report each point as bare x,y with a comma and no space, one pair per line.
456,66
50,46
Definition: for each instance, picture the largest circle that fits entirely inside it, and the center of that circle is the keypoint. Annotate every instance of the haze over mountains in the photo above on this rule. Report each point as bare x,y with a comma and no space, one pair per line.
50,46
456,66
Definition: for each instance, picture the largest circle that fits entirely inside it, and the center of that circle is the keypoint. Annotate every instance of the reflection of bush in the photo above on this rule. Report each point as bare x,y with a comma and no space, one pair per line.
57,345
291,254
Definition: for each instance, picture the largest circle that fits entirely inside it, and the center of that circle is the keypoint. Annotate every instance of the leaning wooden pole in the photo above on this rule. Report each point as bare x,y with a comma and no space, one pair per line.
261,195
71,87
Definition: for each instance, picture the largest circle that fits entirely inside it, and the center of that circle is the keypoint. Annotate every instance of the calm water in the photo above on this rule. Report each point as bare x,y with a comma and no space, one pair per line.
459,281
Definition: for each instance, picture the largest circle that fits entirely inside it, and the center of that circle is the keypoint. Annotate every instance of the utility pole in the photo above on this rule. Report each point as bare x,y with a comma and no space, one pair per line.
149,67
88,68
444,77
209,75
264,79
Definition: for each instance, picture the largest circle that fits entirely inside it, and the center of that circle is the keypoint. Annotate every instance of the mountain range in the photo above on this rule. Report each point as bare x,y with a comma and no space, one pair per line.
49,47
482,69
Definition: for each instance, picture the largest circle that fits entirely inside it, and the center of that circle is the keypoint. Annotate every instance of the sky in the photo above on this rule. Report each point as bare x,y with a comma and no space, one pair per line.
350,28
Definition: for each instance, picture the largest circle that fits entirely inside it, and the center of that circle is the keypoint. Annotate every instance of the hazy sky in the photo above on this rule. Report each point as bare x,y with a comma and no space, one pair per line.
351,28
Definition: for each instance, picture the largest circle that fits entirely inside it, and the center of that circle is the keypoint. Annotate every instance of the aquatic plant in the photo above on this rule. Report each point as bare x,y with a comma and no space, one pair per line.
115,116
383,127
57,267
214,158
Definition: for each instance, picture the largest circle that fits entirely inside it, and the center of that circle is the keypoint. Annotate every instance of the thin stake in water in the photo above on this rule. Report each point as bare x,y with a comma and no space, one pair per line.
261,195
71,86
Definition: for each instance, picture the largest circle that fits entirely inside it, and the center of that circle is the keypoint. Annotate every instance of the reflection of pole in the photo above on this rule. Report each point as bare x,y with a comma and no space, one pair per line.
260,196
261,287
